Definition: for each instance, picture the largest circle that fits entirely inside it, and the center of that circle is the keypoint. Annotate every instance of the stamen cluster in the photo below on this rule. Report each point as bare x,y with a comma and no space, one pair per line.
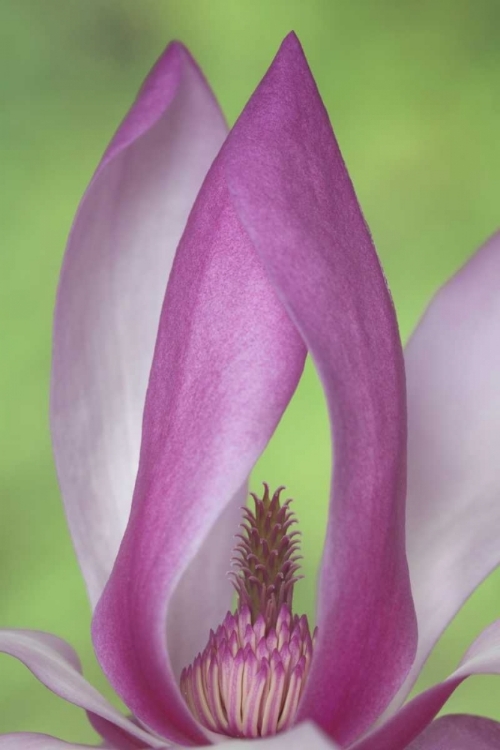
250,677
247,683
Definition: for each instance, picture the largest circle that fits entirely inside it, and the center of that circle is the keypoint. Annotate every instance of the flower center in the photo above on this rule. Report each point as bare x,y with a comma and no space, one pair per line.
249,679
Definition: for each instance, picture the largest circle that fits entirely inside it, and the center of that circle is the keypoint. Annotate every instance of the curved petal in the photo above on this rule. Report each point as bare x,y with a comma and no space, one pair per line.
115,737
28,741
459,732
226,363
112,284
453,370
57,666
483,657
302,737
293,194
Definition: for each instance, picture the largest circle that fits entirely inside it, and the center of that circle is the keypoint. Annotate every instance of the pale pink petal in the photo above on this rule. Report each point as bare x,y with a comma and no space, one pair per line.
28,741
293,194
226,363
111,289
483,657
57,666
459,732
302,737
453,508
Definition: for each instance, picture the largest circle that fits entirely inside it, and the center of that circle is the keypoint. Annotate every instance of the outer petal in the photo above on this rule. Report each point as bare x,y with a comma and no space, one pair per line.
483,657
54,663
112,285
453,372
459,732
293,194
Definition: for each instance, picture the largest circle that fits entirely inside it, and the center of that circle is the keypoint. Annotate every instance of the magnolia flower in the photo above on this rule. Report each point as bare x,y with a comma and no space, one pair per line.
267,256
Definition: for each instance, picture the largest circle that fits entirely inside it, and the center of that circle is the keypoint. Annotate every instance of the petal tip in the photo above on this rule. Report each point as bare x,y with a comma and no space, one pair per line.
291,47
291,41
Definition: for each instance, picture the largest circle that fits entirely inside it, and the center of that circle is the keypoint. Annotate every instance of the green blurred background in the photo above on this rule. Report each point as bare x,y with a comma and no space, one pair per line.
412,91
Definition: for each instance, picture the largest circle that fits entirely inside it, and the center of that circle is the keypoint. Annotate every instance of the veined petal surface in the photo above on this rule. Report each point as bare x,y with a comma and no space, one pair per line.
453,512
57,666
112,285
459,732
292,193
226,364
483,657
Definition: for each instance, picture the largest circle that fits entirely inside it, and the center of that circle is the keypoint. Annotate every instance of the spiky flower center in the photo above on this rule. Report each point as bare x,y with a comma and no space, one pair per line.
266,557
249,679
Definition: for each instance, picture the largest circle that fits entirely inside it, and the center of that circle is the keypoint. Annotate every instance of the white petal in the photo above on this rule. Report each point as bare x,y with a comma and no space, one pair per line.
28,741
302,737
453,508
57,666
112,285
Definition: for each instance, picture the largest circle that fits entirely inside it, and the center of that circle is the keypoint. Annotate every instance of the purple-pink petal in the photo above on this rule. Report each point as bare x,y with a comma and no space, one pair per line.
112,284
459,732
226,363
453,512
292,193
115,736
483,657
57,666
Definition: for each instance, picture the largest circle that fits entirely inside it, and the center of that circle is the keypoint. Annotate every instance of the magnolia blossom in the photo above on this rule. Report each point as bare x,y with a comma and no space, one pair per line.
163,401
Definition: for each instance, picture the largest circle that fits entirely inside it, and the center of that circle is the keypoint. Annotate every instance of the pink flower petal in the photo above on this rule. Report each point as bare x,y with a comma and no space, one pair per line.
294,197
459,732
111,289
226,363
115,737
453,372
483,657
57,666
